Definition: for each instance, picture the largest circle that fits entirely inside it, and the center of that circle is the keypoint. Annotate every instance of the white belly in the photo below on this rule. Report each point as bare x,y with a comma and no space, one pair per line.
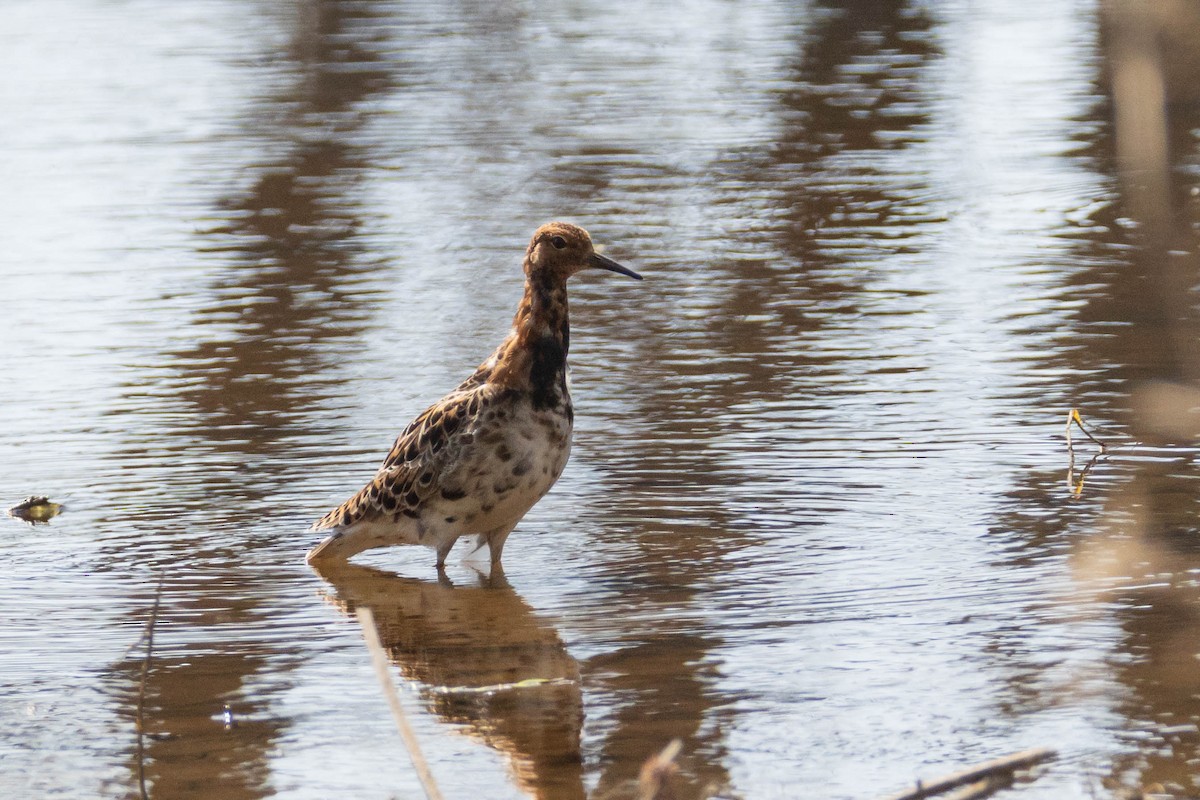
505,478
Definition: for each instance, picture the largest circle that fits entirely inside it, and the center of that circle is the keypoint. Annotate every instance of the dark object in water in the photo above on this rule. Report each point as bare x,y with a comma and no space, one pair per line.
35,510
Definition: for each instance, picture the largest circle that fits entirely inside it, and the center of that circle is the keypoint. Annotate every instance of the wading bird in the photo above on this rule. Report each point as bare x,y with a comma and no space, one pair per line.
478,459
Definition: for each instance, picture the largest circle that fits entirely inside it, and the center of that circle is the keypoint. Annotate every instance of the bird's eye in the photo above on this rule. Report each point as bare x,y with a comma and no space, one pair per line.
558,242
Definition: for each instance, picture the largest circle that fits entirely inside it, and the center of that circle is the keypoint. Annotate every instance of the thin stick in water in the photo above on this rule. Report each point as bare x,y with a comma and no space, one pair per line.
988,770
1073,417
148,635
380,662
655,779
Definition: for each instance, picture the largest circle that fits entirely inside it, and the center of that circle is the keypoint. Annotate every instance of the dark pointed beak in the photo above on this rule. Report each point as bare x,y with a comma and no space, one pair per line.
599,261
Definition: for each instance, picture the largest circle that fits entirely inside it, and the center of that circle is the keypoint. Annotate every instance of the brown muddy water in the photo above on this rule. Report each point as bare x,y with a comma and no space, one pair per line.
817,523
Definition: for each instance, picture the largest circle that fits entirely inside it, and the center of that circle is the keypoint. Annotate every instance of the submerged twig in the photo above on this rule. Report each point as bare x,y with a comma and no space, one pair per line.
655,778
979,781
148,635
1073,418
380,662
980,789
1075,481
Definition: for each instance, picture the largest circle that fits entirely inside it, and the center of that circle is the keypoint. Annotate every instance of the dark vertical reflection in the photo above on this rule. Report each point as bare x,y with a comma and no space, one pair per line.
291,235
851,91
1134,311
1148,528
242,392
1148,534
664,691
1131,532
485,662
193,747
854,93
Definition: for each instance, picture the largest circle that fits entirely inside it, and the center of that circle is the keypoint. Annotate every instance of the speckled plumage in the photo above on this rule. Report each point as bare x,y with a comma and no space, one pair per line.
477,460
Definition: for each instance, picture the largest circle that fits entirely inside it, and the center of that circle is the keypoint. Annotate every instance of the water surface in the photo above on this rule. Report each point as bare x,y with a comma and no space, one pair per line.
817,522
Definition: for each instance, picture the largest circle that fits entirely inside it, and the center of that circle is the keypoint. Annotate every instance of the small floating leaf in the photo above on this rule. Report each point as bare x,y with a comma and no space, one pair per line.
35,509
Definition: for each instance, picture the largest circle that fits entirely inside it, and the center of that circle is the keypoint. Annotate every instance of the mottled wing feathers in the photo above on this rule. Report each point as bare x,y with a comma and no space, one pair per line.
417,465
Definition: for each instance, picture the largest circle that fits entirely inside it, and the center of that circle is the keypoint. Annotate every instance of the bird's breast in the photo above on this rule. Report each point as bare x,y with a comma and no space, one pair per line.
517,452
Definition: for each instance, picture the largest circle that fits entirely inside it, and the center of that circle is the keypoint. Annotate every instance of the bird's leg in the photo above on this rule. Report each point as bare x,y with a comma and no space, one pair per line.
496,578
495,541
443,550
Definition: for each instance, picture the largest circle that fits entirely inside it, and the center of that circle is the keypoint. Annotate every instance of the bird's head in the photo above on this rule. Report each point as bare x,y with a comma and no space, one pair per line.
558,250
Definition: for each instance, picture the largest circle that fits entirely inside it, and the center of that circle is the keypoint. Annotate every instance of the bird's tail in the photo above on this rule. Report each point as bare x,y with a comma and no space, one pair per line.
340,545
345,541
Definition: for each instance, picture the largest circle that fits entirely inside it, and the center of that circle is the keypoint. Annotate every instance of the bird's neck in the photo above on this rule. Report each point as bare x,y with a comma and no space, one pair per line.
533,357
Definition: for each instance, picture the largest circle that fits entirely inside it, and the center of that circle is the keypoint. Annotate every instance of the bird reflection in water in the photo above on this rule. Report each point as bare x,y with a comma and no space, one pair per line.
483,660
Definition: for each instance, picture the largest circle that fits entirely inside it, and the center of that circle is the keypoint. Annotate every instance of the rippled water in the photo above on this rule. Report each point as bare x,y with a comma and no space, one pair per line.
817,523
